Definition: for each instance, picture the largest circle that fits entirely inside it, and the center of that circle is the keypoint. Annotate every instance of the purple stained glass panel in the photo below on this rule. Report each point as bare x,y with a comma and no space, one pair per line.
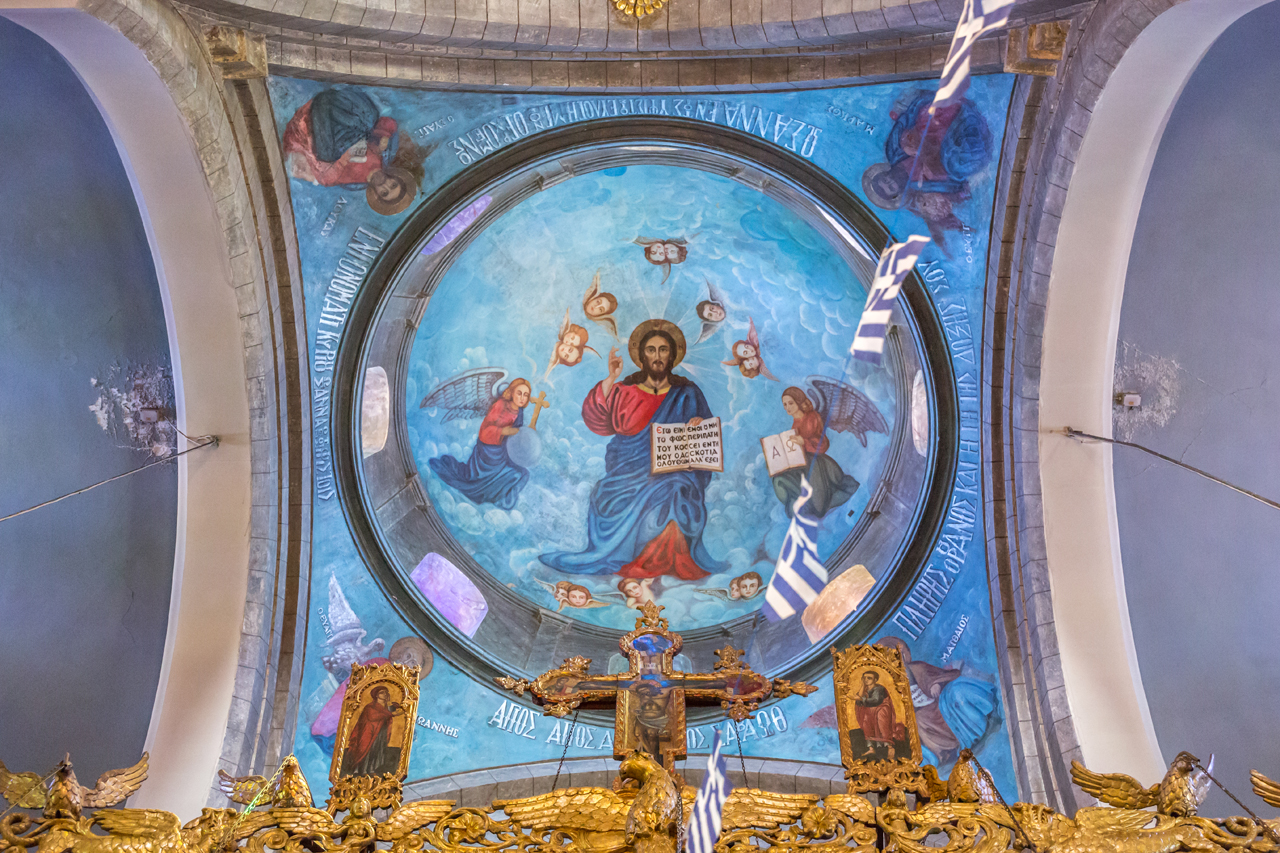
451,592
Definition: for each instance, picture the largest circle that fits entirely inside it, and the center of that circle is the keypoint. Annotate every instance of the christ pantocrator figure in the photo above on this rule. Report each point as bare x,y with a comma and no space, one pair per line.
643,525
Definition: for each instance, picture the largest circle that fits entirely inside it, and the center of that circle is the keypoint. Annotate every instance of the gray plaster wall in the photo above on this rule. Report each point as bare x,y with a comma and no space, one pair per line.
84,584
1198,331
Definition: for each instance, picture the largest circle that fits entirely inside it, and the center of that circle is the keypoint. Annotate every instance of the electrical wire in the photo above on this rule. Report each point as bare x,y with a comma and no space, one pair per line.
212,441
1072,432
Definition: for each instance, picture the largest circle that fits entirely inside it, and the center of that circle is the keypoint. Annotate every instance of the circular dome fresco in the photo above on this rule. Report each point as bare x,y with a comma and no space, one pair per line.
607,370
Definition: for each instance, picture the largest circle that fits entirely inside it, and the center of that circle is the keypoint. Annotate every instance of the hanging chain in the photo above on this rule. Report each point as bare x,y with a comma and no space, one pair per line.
568,739
18,797
269,785
1266,826
737,729
1012,816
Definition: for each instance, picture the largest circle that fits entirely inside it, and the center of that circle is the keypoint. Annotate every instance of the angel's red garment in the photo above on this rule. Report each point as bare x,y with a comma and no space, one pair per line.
488,476
809,426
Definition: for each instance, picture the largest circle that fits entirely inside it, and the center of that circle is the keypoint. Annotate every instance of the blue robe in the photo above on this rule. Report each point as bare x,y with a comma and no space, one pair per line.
629,506
488,477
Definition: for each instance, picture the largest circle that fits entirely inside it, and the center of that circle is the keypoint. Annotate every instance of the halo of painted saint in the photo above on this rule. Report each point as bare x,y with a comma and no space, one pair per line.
616,387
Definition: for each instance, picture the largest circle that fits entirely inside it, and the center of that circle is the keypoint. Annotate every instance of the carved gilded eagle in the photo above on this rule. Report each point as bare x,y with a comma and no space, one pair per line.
1178,794
290,790
599,820
65,797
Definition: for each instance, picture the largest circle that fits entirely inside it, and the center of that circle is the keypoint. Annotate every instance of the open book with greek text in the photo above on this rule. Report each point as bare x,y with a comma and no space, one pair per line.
783,451
680,447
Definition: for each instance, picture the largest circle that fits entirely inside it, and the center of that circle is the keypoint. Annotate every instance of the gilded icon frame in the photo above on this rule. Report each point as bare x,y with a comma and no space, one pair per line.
397,717
876,766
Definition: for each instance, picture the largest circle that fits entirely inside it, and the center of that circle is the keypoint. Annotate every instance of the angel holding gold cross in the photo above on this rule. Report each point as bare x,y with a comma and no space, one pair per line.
496,471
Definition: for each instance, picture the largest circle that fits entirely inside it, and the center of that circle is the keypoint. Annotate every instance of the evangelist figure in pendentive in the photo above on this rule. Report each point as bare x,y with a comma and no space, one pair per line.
489,475
642,525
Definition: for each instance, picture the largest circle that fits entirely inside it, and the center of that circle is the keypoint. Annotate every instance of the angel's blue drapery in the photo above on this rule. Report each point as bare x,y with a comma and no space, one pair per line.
629,506
488,477
832,487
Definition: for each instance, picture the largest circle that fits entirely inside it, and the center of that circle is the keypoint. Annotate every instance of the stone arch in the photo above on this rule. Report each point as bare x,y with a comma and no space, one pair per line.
214,202
1076,158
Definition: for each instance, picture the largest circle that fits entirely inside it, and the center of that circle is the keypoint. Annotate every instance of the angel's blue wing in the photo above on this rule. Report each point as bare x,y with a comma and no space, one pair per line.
846,409
467,395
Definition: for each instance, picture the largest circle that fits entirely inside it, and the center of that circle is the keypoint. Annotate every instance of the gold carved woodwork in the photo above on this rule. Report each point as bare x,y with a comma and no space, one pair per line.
647,820
651,812
649,698
375,729
879,742
637,8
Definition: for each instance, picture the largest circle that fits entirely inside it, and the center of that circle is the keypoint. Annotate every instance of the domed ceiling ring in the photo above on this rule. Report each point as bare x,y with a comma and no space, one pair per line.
503,315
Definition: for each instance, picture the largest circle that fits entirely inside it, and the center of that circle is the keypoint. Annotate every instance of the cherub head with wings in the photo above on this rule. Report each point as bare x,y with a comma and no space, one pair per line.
747,356
664,253
711,312
571,345
575,595
599,306
743,587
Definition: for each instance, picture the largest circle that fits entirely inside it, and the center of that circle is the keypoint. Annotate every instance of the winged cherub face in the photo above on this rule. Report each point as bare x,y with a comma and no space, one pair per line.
742,349
597,306
735,589
749,586
712,312
572,338
578,597
675,252
656,253
751,363
569,353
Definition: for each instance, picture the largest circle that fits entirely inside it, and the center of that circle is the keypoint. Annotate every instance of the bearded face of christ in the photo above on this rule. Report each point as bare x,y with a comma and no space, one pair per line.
656,354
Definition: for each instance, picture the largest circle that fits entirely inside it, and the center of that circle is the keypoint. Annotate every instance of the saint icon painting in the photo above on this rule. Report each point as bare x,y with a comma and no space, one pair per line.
376,726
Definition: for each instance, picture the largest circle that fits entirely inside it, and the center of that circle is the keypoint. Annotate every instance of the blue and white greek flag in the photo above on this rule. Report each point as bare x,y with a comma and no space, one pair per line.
977,18
799,575
708,808
895,263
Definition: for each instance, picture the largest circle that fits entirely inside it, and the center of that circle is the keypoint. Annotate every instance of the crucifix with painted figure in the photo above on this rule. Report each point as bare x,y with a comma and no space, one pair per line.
649,699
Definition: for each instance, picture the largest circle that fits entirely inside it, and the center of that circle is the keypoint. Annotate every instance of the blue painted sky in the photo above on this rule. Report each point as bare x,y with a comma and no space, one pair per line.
502,302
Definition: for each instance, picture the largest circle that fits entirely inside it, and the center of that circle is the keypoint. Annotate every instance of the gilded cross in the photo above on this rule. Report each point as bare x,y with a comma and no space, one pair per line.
541,402
649,699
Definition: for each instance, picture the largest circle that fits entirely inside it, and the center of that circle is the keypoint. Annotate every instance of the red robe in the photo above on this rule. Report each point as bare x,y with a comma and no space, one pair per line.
370,729
501,414
628,411
810,427
298,140
879,722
